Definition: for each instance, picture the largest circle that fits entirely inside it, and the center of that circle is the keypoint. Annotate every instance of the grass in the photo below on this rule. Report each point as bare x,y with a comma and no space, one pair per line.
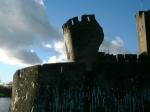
5,91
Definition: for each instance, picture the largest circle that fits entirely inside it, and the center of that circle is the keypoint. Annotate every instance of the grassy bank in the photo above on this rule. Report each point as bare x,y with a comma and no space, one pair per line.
5,91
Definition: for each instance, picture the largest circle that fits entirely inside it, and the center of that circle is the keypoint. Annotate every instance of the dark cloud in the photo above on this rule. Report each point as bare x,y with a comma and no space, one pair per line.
26,56
24,25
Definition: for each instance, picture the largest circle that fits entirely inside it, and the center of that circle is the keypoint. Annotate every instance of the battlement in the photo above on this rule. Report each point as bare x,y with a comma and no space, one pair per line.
122,58
82,38
119,58
85,19
140,12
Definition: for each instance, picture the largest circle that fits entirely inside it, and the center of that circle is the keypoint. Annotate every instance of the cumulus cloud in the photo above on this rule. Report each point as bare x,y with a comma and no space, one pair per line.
5,58
116,46
59,47
118,42
24,25
40,2
46,45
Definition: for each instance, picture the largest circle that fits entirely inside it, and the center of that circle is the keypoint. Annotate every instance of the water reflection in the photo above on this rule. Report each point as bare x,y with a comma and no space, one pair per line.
4,104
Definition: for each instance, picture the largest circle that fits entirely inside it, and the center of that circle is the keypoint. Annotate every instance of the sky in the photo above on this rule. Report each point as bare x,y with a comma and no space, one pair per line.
31,30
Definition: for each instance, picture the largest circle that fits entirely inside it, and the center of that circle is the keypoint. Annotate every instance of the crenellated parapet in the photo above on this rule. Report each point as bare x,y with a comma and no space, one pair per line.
82,38
74,22
102,57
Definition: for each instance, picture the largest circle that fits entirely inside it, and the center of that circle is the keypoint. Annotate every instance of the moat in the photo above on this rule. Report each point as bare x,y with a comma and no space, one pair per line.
4,104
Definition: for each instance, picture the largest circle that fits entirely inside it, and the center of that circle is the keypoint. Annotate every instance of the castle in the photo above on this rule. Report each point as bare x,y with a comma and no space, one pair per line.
83,38
91,81
143,28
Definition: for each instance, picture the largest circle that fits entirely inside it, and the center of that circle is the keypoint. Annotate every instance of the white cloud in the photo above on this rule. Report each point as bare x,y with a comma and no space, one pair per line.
117,42
52,59
57,59
5,58
59,47
41,2
20,57
48,46
32,51
24,25
116,46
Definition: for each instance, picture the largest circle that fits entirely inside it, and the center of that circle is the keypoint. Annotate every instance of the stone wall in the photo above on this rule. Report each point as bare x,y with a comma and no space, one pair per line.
34,87
143,29
68,87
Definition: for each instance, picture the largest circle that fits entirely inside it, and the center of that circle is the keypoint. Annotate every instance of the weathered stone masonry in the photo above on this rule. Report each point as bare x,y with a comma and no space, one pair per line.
68,87
82,39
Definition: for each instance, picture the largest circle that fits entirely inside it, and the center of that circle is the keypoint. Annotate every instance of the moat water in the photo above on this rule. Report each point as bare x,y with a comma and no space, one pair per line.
4,104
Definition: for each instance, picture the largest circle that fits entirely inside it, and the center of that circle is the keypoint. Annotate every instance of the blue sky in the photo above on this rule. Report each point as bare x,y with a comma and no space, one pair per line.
36,36
116,17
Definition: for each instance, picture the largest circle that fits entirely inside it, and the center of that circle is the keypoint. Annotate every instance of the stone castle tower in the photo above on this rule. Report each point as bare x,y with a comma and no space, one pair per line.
143,28
82,38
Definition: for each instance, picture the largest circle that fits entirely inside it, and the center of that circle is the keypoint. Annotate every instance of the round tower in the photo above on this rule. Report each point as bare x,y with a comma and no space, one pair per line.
82,38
